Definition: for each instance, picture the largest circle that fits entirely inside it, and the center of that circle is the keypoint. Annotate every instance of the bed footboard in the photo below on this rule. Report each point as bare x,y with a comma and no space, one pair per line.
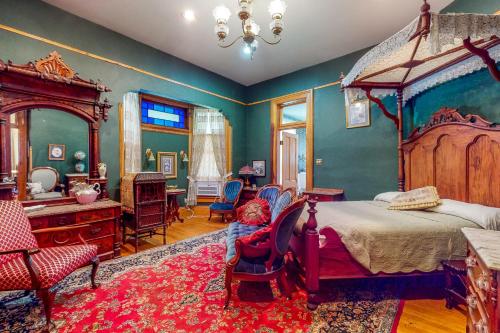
311,256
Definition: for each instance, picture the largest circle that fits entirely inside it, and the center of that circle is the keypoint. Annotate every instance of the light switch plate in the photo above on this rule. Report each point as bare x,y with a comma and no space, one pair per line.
319,161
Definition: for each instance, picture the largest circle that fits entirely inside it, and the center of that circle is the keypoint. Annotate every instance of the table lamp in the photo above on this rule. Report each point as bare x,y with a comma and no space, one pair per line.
247,171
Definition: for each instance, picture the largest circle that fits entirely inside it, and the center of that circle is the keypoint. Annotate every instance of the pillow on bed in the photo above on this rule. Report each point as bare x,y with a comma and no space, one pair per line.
386,196
420,198
486,217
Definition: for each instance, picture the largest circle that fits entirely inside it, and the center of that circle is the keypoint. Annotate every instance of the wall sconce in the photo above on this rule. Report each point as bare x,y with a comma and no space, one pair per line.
184,156
150,155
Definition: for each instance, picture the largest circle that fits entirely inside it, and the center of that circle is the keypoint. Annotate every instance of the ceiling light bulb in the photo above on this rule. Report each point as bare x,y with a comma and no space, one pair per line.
247,49
277,8
252,27
221,14
189,15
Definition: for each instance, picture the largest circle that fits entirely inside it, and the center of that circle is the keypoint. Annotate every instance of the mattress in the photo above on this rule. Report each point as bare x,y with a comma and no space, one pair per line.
388,241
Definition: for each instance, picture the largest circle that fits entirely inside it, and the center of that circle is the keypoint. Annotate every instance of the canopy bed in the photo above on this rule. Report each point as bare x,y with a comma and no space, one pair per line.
50,84
458,155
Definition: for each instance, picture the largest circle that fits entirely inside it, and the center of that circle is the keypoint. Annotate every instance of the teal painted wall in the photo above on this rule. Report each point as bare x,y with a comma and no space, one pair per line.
363,161
41,19
46,128
166,142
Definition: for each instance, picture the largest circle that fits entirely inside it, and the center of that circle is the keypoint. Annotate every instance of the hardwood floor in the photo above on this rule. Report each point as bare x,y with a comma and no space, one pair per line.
419,316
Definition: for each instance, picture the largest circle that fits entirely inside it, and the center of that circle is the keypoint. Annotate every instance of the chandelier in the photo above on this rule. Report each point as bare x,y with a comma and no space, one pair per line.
250,29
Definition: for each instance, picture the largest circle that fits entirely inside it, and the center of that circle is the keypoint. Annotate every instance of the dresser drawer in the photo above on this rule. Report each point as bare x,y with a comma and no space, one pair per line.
104,245
479,277
58,238
39,223
95,215
99,229
61,220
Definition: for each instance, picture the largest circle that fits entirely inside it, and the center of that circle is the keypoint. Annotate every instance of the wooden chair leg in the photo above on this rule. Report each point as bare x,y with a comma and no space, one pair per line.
136,241
210,216
228,279
284,284
164,234
95,266
47,306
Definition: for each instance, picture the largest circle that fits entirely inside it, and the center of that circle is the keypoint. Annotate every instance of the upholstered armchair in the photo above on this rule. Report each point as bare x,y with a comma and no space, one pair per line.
229,199
25,266
260,256
270,193
44,183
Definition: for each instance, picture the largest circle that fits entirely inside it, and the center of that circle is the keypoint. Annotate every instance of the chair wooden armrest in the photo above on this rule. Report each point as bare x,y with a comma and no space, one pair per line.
32,270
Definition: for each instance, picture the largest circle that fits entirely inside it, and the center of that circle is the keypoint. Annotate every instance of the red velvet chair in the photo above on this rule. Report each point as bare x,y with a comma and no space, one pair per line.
261,256
25,266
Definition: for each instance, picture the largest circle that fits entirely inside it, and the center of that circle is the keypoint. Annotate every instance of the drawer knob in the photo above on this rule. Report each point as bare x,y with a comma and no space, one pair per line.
482,283
95,231
470,261
471,301
481,326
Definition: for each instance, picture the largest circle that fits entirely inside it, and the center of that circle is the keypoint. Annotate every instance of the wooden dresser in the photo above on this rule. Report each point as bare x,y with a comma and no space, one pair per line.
102,217
483,265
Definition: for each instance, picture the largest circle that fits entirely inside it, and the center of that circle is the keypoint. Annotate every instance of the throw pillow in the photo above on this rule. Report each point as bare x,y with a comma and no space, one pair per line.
254,212
417,199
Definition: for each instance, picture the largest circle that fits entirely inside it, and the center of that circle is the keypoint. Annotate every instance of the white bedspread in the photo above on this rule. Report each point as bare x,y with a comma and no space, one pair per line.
391,241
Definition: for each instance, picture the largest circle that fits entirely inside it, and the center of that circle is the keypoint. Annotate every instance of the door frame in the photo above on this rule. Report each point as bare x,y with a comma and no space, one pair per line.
276,127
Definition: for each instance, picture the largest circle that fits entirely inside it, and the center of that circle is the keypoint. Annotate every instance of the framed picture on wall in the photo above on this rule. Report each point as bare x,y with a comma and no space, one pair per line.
57,152
167,164
260,168
358,114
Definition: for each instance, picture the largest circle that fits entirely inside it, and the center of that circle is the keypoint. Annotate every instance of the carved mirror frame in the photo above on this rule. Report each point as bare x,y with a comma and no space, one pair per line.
49,83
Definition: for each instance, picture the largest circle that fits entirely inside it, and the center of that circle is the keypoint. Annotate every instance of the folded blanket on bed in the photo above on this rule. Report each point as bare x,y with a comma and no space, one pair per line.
391,241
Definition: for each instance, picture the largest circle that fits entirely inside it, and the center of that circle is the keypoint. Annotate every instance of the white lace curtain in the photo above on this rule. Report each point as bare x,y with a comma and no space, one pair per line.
208,155
131,132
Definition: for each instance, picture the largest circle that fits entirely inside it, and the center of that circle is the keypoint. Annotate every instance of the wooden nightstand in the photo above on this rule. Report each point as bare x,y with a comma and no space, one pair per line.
483,266
325,194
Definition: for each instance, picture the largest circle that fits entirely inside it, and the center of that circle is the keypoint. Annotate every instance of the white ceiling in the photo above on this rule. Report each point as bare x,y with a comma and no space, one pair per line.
315,30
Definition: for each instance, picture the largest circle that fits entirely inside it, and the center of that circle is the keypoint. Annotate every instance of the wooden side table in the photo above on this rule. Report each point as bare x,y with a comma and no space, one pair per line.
172,211
325,194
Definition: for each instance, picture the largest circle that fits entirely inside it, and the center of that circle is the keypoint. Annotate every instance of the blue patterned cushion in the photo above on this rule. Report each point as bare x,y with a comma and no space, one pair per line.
281,203
221,206
235,230
231,190
270,194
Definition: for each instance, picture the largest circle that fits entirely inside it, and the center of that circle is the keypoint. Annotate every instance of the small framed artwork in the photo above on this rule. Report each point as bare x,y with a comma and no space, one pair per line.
57,152
167,164
358,114
260,168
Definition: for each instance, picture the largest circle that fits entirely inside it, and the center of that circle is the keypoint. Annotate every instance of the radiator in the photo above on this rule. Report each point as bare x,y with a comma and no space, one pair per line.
207,188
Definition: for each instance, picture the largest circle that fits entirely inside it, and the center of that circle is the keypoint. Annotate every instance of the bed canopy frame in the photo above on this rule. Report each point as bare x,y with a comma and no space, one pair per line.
432,49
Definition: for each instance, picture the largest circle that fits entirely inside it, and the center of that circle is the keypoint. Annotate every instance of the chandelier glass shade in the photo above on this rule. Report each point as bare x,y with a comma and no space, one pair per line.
250,29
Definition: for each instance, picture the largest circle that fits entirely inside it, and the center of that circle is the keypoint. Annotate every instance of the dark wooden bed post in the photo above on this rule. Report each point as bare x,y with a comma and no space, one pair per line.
401,170
311,256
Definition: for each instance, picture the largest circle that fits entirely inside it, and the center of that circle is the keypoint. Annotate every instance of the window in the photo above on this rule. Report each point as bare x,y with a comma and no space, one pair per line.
293,113
164,115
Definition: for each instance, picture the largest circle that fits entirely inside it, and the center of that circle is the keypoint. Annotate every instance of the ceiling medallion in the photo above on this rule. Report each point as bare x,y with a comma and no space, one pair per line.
250,29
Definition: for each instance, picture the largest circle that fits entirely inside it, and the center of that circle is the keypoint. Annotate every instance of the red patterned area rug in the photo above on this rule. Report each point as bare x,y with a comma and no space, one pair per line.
180,288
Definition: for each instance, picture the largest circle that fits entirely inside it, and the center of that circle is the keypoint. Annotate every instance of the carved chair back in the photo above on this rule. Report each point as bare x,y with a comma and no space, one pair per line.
15,230
232,191
283,201
270,193
47,176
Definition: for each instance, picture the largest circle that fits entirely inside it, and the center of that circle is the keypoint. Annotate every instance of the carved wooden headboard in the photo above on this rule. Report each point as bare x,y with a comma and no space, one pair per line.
459,155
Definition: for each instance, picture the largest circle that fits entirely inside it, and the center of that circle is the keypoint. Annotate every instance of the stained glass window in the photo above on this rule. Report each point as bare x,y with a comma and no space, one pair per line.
159,114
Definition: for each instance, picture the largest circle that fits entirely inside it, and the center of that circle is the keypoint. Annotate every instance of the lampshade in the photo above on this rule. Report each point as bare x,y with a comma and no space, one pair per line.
246,170
221,14
252,27
277,8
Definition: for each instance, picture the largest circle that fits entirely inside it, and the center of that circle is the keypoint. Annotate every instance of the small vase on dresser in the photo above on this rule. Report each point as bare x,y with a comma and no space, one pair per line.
483,265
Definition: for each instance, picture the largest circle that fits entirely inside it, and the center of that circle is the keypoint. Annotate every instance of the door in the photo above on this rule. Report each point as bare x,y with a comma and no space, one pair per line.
290,160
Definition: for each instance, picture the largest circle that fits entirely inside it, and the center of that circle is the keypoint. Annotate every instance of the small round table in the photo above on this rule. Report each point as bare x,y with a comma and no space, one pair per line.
172,211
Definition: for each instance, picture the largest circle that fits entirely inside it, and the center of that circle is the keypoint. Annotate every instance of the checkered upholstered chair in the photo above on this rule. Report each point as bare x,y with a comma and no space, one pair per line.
260,256
270,193
229,199
25,266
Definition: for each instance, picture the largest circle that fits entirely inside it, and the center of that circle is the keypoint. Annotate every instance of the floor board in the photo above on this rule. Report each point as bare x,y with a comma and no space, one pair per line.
419,316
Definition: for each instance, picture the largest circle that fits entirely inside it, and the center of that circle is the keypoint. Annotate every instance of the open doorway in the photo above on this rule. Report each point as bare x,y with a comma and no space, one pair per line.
292,136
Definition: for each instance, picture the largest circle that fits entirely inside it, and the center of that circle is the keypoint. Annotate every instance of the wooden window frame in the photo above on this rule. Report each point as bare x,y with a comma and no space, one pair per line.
169,102
276,126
